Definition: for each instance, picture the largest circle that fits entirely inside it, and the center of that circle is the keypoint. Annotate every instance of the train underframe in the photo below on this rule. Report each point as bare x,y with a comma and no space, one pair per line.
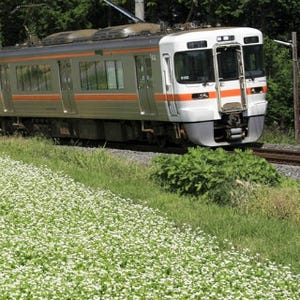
231,129
152,132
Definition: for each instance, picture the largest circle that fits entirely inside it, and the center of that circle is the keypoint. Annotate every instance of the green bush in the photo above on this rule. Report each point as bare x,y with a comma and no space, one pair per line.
212,173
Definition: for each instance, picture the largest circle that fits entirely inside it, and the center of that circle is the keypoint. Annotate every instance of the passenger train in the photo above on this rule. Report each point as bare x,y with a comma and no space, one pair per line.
138,82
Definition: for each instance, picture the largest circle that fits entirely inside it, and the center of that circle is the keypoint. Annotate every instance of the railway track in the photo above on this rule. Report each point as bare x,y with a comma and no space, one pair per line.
272,154
279,156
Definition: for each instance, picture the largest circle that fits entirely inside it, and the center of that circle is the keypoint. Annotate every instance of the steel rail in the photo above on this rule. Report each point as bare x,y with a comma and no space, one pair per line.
278,156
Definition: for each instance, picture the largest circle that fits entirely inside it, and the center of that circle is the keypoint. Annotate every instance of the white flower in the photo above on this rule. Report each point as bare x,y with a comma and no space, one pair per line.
60,239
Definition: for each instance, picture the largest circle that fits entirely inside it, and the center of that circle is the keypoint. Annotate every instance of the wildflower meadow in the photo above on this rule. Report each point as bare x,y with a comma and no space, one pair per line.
62,240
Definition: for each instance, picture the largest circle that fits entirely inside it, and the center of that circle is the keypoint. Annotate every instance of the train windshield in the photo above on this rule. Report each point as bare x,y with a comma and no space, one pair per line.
228,63
197,66
253,59
194,66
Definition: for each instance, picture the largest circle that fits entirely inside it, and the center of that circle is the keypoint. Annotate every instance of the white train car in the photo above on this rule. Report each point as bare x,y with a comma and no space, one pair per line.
215,84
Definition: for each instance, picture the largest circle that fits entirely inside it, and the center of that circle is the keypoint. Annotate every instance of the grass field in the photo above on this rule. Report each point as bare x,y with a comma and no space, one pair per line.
275,135
64,235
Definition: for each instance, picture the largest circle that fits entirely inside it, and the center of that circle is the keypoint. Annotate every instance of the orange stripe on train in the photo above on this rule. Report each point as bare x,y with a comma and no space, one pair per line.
50,56
211,95
175,97
44,97
105,97
129,51
189,97
80,54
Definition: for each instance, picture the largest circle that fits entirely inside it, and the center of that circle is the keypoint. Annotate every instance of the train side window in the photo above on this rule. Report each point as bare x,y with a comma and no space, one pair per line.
47,77
83,71
115,75
24,80
120,75
34,77
111,75
96,75
21,78
92,76
101,76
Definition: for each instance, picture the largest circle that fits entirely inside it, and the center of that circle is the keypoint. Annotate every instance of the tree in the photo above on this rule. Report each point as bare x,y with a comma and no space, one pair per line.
280,84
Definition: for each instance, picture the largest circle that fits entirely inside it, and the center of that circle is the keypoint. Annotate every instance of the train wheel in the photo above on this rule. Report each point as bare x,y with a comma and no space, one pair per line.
161,141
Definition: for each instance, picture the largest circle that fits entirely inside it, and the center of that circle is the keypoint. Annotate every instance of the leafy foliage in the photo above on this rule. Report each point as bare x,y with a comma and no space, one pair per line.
269,16
212,173
280,84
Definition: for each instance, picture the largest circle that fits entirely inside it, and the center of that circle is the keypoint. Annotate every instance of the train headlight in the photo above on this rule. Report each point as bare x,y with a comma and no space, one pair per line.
200,96
225,38
256,90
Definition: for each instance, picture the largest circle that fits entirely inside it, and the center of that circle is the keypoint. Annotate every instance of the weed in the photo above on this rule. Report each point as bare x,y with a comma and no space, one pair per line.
212,174
282,203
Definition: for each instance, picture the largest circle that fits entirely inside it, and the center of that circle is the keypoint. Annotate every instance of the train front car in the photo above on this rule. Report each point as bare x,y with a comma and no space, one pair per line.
218,90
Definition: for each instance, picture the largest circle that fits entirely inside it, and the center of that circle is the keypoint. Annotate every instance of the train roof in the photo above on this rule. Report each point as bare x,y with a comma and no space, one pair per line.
212,35
115,32
123,36
79,41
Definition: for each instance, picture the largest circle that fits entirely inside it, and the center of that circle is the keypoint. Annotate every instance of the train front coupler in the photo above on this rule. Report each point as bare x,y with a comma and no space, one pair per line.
235,129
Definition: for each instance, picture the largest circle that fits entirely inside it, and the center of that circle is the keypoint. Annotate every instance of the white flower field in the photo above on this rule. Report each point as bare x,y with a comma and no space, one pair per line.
62,240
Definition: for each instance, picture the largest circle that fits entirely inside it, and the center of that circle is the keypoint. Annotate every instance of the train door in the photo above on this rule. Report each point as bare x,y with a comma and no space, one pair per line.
169,85
66,86
5,90
230,78
145,84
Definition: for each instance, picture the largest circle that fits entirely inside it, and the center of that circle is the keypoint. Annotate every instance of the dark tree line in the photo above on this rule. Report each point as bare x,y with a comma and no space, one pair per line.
276,18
